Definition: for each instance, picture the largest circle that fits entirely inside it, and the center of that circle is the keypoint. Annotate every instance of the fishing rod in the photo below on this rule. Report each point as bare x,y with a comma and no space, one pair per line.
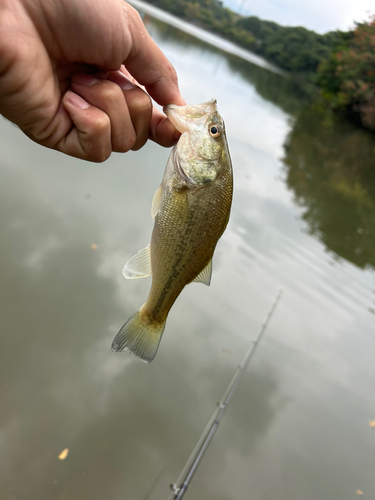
204,441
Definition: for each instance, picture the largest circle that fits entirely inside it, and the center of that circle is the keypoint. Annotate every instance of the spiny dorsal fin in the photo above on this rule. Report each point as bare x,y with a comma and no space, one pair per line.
205,275
139,266
155,206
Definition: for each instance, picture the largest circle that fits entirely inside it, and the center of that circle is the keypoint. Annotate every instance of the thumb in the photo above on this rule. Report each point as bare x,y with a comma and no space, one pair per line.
149,66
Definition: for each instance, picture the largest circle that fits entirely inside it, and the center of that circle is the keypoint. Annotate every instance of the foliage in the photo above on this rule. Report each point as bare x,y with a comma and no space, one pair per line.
290,94
294,49
212,15
341,63
347,77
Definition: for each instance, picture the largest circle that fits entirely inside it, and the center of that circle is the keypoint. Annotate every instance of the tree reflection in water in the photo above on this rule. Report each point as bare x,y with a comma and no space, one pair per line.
330,167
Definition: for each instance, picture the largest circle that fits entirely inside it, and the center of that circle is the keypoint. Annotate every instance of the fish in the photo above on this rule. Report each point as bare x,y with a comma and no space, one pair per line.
191,209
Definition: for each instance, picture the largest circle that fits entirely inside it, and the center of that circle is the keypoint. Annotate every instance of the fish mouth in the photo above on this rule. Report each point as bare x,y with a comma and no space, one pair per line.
179,115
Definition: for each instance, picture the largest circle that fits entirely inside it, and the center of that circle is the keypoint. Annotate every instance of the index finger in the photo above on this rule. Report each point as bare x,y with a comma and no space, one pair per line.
147,63
162,131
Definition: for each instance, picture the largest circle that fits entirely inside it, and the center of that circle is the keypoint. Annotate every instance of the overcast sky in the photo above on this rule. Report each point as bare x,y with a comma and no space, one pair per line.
317,15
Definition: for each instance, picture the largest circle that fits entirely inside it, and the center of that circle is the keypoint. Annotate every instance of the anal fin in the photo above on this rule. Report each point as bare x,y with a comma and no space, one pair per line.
205,275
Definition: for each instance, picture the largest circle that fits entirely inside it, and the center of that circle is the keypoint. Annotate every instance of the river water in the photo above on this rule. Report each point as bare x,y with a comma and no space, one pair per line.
303,221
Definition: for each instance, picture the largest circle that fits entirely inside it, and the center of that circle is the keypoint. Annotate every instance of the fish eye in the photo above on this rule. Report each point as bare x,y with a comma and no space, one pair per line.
215,131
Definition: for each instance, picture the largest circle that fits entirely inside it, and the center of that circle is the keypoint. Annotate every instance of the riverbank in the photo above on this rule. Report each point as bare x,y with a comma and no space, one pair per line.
204,35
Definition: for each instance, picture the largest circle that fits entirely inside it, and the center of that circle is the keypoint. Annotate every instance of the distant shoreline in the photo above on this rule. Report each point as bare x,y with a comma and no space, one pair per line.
206,36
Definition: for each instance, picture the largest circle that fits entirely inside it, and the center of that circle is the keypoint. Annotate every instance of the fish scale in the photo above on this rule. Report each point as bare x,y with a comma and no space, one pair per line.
200,226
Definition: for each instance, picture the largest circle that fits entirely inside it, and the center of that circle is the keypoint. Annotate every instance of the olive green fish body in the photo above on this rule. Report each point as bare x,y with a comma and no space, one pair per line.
191,210
187,228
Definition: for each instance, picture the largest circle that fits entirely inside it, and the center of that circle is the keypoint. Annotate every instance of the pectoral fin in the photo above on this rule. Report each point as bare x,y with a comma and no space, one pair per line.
155,206
139,266
205,275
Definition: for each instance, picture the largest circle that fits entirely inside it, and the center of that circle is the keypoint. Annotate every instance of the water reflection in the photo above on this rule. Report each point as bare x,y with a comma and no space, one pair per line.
51,292
329,166
298,426
65,389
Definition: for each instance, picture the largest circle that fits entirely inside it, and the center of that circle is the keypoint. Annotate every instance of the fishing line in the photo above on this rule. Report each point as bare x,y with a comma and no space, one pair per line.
204,441
154,483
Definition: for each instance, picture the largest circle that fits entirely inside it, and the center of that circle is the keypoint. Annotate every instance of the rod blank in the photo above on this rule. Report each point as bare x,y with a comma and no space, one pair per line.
204,441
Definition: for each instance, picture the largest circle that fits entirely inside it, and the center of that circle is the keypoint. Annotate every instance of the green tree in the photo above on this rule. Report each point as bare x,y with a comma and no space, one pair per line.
347,77
294,49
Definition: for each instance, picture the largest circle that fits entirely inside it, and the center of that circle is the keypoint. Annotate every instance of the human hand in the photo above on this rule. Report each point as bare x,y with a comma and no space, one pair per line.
69,71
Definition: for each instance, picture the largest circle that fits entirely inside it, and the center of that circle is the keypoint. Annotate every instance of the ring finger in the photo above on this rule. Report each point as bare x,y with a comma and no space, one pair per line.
139,107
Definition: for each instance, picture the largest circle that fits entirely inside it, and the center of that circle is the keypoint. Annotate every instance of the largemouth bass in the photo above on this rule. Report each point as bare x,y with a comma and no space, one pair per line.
191,209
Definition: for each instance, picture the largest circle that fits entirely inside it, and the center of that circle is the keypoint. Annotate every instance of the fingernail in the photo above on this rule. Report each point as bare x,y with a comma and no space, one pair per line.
100,75
77,101
84,79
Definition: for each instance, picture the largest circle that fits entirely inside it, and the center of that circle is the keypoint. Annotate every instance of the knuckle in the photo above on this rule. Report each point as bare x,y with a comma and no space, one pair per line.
141,103
110,92
98,148
101,125
134,15
125,142
95,151
139,145
102,157
128,141
171,72
99,155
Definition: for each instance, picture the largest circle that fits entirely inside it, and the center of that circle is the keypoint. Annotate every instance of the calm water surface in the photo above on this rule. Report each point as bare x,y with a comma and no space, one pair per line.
302,220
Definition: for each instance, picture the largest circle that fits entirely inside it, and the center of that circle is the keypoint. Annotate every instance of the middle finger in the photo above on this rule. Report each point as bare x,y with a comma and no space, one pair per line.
139,106
110,98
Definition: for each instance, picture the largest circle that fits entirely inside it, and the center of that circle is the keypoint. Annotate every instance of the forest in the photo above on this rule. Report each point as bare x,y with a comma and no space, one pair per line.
294,49
341,64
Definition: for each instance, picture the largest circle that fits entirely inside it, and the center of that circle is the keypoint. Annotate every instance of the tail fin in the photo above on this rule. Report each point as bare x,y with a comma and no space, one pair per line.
140,337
